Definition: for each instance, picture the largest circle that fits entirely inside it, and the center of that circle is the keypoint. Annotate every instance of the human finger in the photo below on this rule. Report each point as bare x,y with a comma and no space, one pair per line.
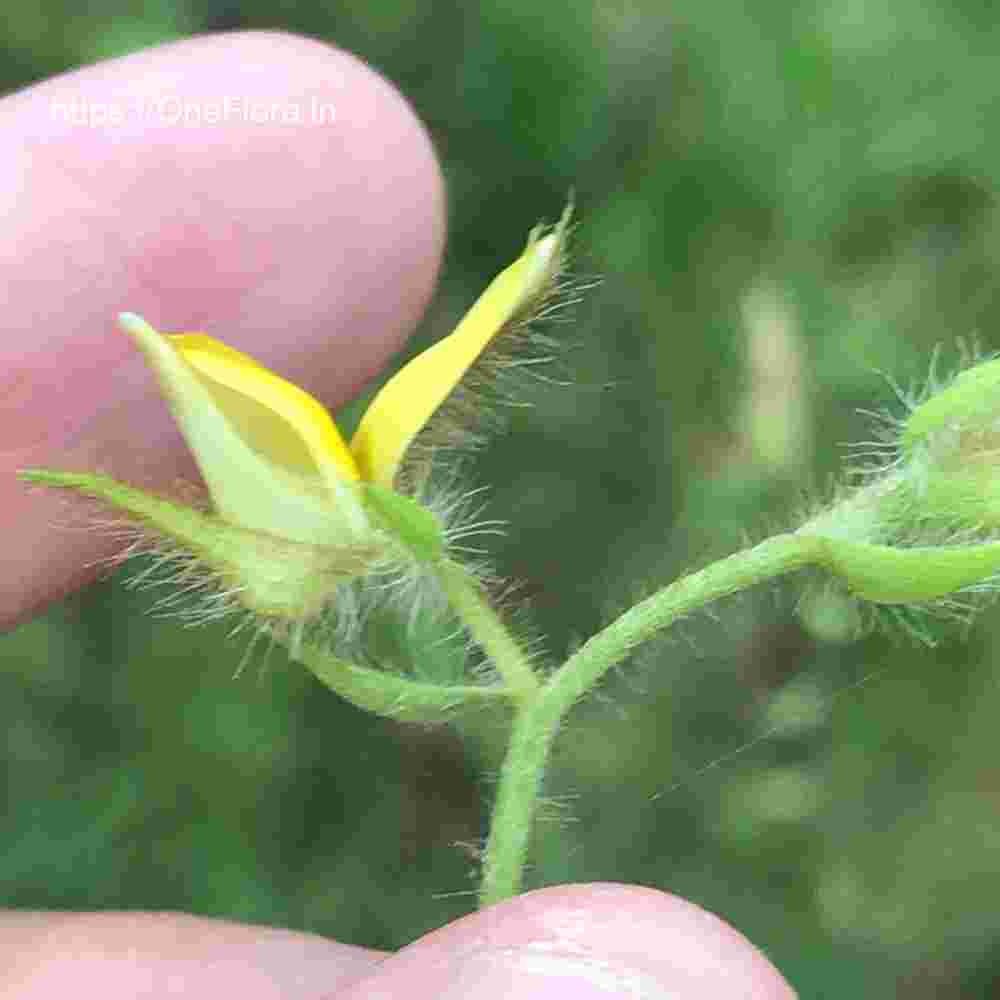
265,188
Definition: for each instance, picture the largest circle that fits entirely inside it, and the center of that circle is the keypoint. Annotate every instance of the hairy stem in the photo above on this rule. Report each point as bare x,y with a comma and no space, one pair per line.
774,557
397,697
538,718
473,607
535,726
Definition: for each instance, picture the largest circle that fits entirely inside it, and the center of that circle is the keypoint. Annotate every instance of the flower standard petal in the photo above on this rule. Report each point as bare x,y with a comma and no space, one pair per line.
278,419
270,455
410,398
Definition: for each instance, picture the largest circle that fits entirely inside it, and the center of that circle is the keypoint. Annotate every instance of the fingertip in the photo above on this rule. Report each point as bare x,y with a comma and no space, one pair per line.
582,941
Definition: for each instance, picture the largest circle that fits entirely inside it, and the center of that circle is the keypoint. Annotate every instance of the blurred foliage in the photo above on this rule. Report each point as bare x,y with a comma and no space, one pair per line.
786,200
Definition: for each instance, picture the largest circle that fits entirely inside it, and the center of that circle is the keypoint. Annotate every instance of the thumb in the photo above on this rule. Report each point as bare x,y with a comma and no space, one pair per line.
578,942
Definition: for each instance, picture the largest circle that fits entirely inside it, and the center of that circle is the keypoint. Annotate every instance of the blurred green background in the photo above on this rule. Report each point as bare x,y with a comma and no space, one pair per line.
786,200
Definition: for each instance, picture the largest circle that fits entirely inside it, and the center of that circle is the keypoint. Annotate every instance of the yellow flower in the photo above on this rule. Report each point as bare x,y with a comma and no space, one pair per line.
271,455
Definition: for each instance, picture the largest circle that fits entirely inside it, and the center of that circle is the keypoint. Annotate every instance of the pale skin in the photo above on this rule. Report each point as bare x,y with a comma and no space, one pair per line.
313,246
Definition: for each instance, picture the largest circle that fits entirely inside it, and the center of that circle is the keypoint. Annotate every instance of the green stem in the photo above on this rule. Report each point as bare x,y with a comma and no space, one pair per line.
518,789
537,720
472,606
774,557
397,697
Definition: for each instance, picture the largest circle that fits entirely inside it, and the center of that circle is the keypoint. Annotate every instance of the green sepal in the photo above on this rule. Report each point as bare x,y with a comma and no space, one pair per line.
403,518
273,577
971,402
885,574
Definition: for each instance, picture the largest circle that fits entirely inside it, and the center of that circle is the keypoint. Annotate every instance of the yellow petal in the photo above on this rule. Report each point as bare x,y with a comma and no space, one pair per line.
410,398
270,455
278,419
